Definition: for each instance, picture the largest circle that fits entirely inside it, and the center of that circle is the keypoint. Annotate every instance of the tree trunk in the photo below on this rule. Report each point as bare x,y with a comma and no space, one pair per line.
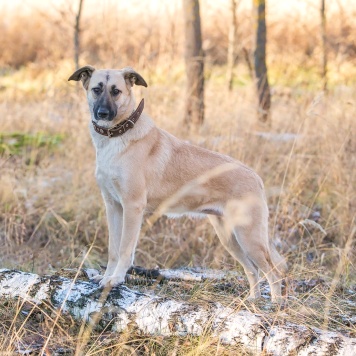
194,60
77,34
152,315
248,62
324,58
263,90
231,51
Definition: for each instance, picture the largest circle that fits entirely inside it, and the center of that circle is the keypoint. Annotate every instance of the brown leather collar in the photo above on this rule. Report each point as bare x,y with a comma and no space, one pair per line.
123,126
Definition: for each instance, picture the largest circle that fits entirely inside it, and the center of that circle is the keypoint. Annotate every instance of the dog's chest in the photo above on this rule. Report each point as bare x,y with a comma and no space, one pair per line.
108,172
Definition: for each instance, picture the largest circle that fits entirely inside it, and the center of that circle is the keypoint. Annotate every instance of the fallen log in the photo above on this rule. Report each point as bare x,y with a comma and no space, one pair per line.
153,315
196,274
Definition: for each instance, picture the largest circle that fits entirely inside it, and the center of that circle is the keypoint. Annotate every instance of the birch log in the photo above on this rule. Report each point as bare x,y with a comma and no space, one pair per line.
153,315
196,274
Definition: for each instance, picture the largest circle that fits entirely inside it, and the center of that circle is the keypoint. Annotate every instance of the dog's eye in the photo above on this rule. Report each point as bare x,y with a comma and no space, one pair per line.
96,90
116,92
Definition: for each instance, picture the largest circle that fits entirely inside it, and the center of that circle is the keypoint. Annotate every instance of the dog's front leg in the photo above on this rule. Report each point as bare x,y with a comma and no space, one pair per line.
132,220
114,214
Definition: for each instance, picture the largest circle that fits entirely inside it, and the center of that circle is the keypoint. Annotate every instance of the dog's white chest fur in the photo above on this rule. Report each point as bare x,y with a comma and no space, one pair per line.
106,171
111,159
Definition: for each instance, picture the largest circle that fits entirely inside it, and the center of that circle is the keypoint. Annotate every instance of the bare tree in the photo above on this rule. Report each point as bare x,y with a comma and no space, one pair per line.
194,60
263,90
77,34
247,55
324,56
231,51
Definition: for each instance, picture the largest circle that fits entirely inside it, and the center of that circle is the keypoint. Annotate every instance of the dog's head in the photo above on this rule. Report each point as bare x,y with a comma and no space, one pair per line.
108,91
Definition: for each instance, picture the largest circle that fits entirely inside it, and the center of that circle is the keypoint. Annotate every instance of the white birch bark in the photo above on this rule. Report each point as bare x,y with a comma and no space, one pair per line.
153,315
196,274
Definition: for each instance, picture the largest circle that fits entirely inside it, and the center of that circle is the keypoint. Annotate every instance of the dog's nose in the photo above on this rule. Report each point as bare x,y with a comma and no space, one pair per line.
103,113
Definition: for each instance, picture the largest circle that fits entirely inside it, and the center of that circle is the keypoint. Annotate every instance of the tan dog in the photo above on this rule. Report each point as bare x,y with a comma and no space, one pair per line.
145,169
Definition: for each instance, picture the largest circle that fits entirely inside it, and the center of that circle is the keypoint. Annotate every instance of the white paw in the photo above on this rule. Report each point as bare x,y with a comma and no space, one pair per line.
97,278
111,281
254,296
100,277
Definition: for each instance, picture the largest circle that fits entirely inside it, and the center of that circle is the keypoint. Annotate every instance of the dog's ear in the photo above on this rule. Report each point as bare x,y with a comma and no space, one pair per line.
132,77
84,74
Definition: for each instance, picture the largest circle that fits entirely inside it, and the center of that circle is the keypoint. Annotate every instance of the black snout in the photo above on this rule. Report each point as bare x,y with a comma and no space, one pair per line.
105,107
103,113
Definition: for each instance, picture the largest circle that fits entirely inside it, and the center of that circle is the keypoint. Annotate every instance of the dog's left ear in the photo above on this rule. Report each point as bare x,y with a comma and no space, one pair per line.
132,77
84,74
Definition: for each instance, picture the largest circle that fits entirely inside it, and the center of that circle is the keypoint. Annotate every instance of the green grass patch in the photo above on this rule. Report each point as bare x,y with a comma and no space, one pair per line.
18,143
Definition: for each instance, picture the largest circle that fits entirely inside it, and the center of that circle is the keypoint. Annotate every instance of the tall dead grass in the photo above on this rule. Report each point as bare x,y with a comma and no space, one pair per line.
50,206
54,201
49,197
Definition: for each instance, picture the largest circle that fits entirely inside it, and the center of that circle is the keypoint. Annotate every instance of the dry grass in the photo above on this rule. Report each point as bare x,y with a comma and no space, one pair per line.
51,208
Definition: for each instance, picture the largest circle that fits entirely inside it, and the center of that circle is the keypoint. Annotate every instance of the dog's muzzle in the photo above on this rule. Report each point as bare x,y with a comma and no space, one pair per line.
104,113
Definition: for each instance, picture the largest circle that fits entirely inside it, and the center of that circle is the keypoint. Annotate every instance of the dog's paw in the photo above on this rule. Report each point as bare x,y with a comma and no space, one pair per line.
97,279
111,281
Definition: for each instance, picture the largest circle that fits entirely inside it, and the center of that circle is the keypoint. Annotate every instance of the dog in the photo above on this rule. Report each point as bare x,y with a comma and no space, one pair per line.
142,169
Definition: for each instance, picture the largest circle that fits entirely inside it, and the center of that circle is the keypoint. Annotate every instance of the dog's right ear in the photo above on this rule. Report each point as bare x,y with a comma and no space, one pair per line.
83,74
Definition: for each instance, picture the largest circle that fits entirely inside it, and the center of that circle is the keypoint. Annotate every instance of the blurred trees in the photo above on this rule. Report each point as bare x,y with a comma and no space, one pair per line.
77,34
157,45
194,61
324,58
263,90
231,51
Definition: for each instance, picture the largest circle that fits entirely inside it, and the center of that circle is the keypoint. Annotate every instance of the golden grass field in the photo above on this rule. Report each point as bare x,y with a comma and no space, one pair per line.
51,210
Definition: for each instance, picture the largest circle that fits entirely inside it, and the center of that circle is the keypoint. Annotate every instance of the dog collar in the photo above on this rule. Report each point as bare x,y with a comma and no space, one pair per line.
123,126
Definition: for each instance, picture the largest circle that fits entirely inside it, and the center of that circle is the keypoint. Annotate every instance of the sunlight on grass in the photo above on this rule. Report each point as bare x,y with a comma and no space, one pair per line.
51,209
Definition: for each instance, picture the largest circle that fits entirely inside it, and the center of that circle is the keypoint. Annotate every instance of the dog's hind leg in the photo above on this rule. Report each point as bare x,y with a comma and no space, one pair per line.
229,241
253,239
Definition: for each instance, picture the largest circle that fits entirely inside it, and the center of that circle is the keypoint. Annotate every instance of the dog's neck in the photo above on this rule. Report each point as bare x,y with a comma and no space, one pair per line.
123,126
129,110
